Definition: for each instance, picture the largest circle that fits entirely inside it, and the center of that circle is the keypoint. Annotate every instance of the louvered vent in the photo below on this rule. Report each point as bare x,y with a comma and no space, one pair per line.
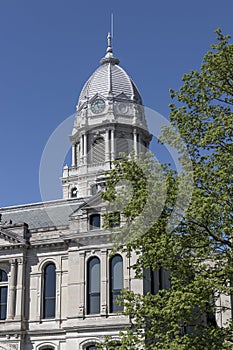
122,146
98,151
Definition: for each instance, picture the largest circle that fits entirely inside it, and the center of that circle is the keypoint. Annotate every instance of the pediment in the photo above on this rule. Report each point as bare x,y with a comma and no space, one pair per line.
123,96
8,238
97,95
91,204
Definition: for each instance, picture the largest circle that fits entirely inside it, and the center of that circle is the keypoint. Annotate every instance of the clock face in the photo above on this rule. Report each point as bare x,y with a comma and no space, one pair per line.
98,106
122,107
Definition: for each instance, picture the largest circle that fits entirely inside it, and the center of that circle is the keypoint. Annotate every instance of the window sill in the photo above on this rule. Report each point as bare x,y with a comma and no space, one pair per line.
44,320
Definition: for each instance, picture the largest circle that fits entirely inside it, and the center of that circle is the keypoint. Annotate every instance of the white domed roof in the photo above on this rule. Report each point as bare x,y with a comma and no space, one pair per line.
110,80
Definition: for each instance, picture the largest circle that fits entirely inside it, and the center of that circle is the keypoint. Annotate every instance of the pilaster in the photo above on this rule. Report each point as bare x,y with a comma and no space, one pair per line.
112,145
81,311
20,290
12,290
107,153
104,281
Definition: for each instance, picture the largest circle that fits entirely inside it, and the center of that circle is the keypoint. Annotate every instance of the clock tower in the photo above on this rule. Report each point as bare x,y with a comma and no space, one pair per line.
109,121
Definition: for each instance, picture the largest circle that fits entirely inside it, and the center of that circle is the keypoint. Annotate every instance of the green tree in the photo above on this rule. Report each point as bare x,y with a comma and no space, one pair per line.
197,252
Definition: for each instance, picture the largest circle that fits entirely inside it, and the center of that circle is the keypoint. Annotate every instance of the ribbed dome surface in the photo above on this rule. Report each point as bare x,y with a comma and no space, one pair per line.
109,79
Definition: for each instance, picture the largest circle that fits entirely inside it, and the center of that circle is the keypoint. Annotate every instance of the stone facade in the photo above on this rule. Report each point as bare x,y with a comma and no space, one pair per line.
47,249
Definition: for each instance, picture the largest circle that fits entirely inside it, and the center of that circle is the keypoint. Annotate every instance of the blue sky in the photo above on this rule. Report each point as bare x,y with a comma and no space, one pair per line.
50,47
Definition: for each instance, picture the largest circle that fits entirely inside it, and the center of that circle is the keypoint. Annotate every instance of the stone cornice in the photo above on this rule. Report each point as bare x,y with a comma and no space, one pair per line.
49,242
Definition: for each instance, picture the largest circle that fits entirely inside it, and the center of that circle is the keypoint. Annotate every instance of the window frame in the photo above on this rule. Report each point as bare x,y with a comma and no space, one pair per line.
89,293
115,293
3,286
47,346
91,347
114,219
74,192
94,189
94,227
48,298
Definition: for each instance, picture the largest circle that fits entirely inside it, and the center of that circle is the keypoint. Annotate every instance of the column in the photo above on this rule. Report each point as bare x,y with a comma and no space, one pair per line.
112,145
78,153
19,290
139,144
107,155
12,291
85,148
81,149
74,155
104,282
135,142
82,284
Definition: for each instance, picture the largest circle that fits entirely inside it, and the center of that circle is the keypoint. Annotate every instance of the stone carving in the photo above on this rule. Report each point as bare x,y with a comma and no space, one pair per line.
8,346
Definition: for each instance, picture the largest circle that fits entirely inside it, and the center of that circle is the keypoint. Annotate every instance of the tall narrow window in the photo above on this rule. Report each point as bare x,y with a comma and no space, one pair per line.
116,282
93,286
49,301
3,294
114,219
74,192
94,221
156,280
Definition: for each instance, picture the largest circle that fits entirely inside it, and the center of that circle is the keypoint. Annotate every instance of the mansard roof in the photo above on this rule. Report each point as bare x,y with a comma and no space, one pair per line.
42,215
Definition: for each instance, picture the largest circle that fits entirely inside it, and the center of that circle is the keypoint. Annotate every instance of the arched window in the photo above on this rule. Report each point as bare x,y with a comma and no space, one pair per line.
93,286
116,282
98,151
94,221
49,297
3,294
74,192
91,347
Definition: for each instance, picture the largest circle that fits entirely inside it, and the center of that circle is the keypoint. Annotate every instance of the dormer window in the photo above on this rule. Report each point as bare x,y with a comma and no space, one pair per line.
94,189
95,222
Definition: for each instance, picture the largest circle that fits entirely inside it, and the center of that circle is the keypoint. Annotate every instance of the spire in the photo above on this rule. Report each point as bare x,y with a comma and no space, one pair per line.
109,57
109,48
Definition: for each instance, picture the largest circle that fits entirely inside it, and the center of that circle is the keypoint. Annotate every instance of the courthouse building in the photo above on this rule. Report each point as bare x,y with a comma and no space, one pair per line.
58,281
